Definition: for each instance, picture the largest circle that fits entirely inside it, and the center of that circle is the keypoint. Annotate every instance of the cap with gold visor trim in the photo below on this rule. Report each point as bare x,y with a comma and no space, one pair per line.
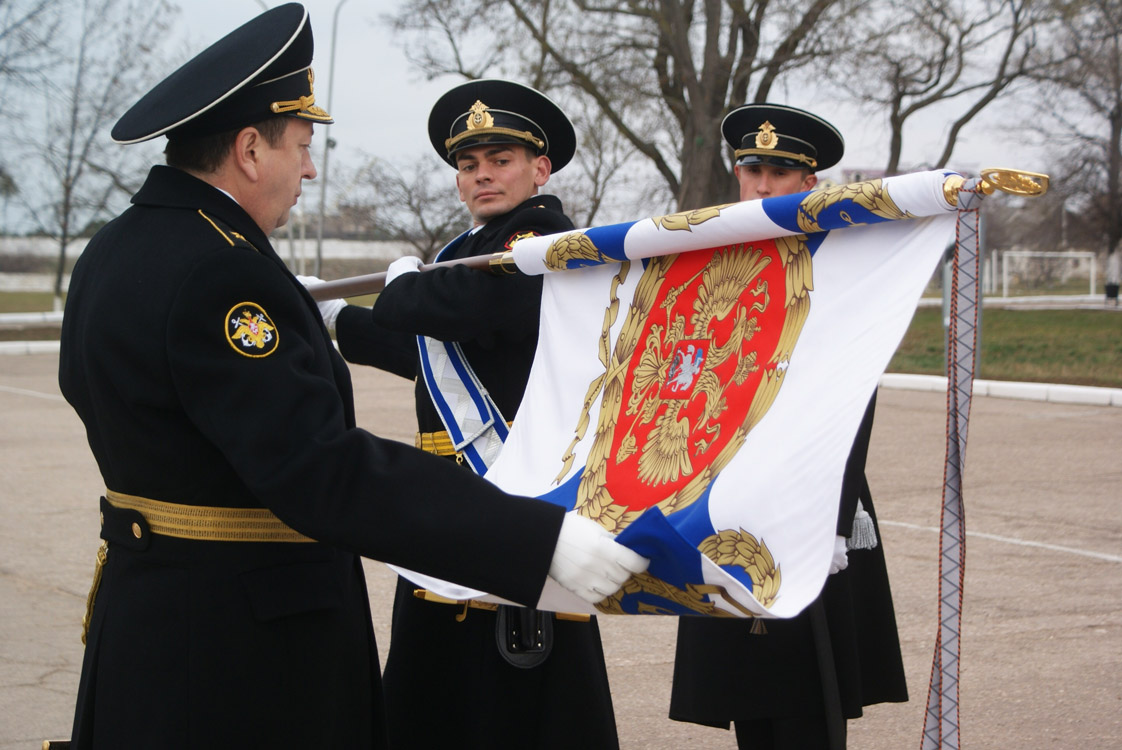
782,136
260,70
495,111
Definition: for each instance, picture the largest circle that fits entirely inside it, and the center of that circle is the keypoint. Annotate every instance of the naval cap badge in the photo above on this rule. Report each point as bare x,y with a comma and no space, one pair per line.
766,138
479,117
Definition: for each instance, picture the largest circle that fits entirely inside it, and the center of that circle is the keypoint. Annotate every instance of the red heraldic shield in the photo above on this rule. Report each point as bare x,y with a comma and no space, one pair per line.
704,360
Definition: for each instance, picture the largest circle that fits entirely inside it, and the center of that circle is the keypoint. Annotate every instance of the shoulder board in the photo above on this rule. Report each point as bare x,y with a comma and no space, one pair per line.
233,238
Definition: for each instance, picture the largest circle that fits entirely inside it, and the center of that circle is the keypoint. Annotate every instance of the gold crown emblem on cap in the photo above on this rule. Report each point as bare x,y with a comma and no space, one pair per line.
479,117
766,138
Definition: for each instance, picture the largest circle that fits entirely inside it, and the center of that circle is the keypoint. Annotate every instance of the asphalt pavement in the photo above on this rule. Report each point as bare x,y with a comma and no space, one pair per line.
1042,633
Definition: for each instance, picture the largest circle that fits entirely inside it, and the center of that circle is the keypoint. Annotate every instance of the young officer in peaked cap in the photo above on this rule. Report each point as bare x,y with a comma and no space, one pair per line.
778,149
229,607
515,677
462,119
795,685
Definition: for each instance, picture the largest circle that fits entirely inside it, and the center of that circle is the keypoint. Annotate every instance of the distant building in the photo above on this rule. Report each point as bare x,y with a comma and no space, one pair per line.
860,175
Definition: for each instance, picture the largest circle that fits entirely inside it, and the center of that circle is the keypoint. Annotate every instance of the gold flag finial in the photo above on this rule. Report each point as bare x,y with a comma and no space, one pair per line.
1015,181
1012,181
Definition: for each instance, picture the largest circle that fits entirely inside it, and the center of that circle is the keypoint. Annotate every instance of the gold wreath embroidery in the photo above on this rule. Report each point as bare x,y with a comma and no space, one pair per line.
739,548
725,548
574,246
681,222
870,195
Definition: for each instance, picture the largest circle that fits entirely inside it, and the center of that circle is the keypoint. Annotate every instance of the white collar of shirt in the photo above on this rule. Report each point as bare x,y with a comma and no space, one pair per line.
227,194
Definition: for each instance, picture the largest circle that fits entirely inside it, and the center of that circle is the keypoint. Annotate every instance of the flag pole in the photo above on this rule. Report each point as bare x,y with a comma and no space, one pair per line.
941,720
353,286
1014,181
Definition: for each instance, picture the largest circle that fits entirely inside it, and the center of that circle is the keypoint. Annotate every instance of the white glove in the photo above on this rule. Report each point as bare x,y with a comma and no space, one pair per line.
328,308
403,265
840,560
589,561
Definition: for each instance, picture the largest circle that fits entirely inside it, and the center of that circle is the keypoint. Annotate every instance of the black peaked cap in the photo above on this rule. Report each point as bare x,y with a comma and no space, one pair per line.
259,70
782,136
492,110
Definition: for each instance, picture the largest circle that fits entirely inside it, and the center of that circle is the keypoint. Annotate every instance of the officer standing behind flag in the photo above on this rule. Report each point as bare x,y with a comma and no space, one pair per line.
516,677
794,686
222,421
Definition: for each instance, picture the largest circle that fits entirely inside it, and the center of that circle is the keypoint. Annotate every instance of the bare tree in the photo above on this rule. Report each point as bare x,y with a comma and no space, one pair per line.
8,188
662,73
418,204
956,55
105,69
602,179
1082,100
27,28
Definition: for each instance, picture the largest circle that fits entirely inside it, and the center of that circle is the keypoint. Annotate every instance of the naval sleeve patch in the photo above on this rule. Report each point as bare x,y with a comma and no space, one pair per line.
519,236
250,331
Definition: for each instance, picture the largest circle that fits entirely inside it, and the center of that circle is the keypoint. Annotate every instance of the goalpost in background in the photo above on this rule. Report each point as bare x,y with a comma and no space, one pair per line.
1042,272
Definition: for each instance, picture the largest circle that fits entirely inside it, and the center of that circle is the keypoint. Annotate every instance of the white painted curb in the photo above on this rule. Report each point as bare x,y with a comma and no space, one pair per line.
1051,392
28,347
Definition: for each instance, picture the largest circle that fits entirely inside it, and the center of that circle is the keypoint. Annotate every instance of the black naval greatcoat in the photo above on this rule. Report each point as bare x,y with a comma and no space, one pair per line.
248,644
436,664
792,686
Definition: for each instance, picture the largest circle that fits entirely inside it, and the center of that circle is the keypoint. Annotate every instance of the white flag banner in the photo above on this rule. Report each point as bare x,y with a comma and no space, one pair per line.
700,378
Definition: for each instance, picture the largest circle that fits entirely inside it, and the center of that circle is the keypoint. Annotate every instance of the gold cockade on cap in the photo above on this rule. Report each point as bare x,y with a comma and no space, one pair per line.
479,122
766,138
479,116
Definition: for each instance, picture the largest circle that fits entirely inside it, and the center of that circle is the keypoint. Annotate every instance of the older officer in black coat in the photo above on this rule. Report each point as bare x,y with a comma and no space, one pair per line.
794,686
229,608
515,678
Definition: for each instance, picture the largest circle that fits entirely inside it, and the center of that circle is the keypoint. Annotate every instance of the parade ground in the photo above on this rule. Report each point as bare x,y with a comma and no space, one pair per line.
1042,629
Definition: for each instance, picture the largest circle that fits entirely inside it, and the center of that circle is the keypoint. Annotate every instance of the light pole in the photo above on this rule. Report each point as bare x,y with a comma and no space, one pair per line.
1063,224
328,142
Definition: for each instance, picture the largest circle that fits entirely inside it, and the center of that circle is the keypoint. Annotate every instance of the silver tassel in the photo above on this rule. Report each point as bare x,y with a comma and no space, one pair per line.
864,534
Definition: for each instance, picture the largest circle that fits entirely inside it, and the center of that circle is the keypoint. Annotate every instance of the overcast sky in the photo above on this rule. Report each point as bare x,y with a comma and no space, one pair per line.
381,104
